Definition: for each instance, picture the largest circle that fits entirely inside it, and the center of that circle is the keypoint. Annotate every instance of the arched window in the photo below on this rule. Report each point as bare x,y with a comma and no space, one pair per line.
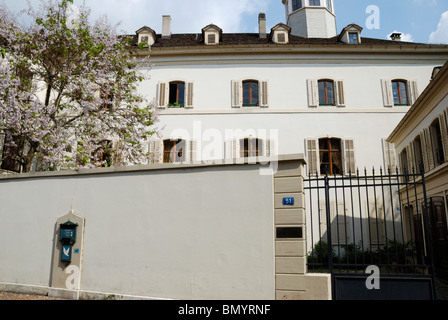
326,93
400,92
177,94
173,151
250,93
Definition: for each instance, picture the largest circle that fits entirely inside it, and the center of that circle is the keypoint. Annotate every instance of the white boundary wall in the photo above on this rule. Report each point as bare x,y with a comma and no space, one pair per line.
165,232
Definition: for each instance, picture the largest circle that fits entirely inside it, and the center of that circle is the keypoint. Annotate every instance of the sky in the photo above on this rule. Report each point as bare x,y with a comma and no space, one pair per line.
422,21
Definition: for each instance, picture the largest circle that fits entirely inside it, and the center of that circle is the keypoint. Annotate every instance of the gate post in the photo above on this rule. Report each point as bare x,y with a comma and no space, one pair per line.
292,280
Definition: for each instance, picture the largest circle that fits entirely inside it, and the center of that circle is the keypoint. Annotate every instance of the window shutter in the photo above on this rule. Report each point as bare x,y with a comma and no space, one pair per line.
340,224
270,148
118,147
237,94
390,162
424,151
323,221
428,149
340,98
387,93
163,94
444,131
312,156
193,152
412,91
349,157
376,225
264,94
156,151
411,158
313,93
189,95
232,149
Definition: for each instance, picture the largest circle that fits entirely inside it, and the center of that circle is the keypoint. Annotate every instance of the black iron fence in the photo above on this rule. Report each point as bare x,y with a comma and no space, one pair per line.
358,220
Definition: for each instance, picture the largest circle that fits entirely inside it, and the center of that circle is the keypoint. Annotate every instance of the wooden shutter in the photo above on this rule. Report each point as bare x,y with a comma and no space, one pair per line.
388,97
313,93
264,94
429,149
189,95
411,158
349,156
156,151
164,93
232,149
312,151
412,91
444,132
389,156
376,226
339,223
237,94
270,148
424,152
340,98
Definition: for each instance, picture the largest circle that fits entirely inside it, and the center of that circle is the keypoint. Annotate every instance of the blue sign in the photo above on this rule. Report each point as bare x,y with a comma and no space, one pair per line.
66,255
289,201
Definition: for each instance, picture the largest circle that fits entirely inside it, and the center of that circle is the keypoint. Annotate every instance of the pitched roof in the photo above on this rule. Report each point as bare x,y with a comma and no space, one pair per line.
248,39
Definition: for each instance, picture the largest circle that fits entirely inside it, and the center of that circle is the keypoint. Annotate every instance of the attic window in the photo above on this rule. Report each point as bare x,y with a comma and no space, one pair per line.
211,39
281,37
353,38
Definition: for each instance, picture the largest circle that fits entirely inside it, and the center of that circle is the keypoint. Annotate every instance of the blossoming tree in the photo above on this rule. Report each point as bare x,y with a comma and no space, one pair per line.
69,92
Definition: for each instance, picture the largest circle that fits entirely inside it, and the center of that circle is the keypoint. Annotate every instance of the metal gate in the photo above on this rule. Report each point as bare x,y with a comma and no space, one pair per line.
372,233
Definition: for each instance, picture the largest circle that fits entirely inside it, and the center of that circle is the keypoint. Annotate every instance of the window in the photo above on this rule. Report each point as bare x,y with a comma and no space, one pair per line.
326,93
353,38
437,143
173,151
404,162
211,38
251,148
296,5
314,2
12,155
250,93
400,93
418,153
177,94
104,153
330,152
329,5
334,156
107,97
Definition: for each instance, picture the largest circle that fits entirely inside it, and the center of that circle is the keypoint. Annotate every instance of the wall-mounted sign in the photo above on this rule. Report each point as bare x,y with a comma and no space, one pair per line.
288,201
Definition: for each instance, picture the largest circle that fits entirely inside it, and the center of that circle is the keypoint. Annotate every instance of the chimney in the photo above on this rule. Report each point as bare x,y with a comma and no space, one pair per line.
166,27
262,25
395,36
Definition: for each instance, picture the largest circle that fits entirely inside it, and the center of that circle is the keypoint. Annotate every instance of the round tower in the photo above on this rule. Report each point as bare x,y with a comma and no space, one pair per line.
311,18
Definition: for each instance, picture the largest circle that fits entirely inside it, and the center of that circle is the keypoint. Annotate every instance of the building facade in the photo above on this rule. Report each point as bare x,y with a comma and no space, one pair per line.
421,144
333,97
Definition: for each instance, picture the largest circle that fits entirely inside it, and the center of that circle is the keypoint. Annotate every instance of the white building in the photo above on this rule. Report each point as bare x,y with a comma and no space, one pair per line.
298,88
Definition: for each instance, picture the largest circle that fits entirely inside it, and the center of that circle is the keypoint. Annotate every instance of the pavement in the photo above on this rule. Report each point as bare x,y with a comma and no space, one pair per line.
17,296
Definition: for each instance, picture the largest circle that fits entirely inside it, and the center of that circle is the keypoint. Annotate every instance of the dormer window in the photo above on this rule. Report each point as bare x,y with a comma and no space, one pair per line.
351,34
146,37
280,34
353,38
212,34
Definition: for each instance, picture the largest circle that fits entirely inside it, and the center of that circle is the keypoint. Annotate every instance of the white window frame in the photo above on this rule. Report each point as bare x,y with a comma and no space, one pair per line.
163,92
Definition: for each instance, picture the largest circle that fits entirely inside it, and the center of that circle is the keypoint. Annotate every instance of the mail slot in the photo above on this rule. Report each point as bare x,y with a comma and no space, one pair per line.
289,233
68,233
